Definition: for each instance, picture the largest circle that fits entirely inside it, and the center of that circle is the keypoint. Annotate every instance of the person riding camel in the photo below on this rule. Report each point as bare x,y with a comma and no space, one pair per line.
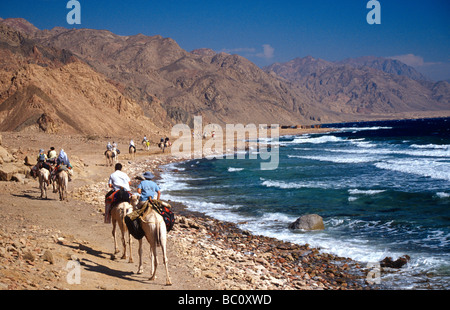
132,146
148,189
41,163
63,163
118,181
51,156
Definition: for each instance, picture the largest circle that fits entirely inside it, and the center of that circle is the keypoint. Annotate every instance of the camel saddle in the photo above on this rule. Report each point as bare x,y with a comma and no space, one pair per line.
163,209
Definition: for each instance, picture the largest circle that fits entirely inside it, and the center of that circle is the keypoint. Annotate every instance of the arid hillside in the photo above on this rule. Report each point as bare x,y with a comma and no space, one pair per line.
97,82
48,89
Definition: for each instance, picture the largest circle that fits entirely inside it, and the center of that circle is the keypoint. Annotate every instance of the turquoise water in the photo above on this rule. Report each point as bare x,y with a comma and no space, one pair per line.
383,189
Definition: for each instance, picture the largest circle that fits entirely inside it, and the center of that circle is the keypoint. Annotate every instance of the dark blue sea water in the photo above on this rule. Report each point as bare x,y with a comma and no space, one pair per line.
383,189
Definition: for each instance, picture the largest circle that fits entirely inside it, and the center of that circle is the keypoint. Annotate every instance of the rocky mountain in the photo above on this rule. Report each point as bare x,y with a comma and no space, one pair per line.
151,82
365,87
49,89
387,65
172,85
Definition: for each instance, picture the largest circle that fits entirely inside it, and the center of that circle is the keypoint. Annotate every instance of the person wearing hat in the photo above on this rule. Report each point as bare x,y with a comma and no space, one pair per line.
148,189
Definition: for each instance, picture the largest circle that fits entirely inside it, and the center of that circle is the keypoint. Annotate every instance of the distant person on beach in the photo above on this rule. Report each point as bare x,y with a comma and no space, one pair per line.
148,189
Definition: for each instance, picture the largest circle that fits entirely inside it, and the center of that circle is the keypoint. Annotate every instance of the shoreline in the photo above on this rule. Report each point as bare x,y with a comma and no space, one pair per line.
237,259
204,253
263,262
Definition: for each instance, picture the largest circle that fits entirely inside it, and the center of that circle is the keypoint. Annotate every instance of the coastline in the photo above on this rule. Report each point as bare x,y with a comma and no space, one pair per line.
204,253
237,259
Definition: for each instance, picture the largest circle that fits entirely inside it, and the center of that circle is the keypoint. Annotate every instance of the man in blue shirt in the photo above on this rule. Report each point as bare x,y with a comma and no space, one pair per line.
148,189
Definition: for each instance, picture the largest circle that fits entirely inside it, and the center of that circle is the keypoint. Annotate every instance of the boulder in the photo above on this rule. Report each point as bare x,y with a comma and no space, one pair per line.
308,222
5,156
30,161
398,263
7,171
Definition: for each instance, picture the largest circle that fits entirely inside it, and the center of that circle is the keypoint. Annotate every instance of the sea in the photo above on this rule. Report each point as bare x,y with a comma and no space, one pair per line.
382,189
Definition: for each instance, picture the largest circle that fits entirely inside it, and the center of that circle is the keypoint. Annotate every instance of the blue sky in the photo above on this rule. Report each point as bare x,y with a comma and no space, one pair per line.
266,31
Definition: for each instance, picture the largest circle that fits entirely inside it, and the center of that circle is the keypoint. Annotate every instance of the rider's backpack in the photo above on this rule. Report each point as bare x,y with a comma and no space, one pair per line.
41,157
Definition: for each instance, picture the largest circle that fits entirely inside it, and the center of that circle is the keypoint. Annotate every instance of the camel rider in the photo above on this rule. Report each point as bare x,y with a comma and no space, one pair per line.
148,189
132,145
41,163
52,156
118,181
42,157
63,163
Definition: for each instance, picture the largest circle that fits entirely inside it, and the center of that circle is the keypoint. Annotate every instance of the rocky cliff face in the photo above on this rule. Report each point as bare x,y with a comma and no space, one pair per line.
144,80
48,89
174,85
364,87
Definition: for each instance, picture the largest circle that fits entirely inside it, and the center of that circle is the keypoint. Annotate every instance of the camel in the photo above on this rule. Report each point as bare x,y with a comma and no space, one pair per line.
118,213
132,151
156,234
62,178
146,144
110,158
44,181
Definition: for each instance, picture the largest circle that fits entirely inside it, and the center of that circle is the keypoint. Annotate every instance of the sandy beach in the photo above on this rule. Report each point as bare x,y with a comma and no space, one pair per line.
38,238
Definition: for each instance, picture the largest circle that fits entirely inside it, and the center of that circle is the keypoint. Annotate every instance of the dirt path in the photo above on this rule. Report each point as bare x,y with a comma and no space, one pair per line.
74,230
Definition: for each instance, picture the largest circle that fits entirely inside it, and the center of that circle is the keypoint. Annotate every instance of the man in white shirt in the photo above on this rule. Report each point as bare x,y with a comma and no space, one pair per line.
117,180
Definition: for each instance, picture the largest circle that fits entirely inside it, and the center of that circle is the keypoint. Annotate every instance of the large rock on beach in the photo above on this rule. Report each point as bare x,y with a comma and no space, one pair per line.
308,222
398,263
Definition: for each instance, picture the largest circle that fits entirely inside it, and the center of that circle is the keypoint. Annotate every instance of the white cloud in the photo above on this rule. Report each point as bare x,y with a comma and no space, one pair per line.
268,52
239,50
412,60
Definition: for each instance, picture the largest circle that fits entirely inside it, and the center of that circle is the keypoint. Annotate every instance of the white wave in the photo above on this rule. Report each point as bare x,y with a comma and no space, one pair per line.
295,185
362,143
443,195
231,169
430,146
365,192
384,151
356,129
428,168
338,159
317,140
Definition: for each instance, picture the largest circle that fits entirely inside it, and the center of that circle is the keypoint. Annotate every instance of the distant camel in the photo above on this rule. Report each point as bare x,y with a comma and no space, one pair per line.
110,157
118,213
156,234
132,151
44,181
62,178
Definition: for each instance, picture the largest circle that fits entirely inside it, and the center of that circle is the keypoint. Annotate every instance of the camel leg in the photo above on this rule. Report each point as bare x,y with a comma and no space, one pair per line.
130,260
55,189
124,243
116,250
164,254
153,260
140,268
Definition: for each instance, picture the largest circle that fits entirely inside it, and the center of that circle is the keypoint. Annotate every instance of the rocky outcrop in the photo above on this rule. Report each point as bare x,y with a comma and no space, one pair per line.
308,222
398,263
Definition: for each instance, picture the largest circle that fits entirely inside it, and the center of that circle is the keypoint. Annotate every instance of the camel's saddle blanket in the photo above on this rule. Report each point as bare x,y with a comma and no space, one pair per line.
117,196
162,207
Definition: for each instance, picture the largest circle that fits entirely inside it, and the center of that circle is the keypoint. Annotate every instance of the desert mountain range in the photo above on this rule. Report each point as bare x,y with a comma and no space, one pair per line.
96,82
